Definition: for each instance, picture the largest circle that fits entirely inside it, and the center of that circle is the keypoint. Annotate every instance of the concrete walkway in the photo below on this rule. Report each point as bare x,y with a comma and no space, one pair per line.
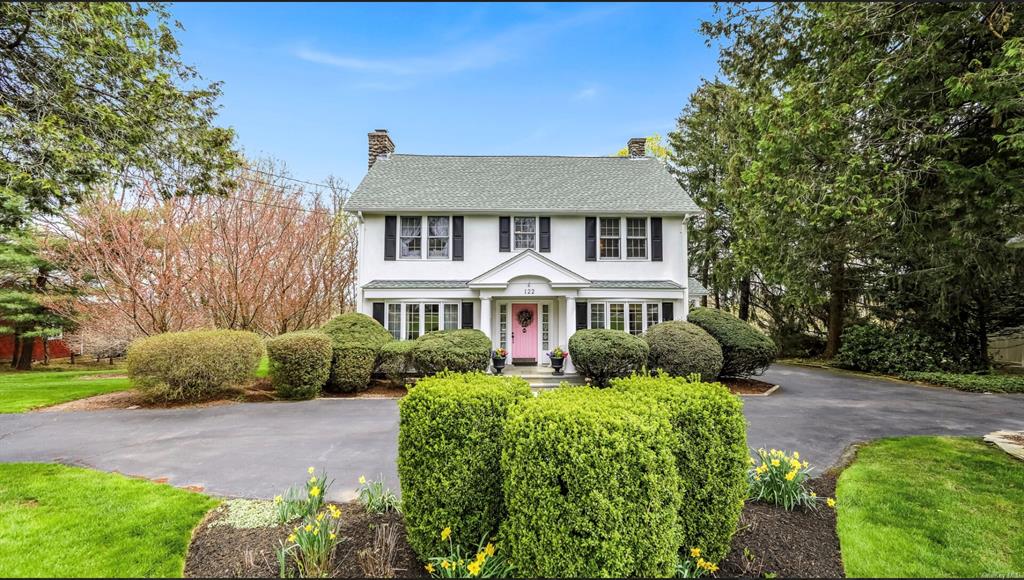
259,449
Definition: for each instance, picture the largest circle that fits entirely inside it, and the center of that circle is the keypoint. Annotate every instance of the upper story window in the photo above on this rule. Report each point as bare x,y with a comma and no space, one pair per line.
418,232
524,233
631,233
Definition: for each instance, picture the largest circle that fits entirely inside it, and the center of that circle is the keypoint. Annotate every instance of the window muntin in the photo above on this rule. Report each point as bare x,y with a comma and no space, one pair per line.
636,238
451,316
395,320
636,319
597,315
609,238
431,317
545,327
412,321
438,235
524,233
653,313
503,326
616,316
410,239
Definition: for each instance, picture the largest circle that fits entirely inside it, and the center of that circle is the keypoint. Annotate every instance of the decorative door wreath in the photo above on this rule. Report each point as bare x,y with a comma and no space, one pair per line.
525,318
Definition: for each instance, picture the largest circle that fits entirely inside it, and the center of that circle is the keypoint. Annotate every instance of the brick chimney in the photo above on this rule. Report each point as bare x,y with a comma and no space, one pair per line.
380,145
637,147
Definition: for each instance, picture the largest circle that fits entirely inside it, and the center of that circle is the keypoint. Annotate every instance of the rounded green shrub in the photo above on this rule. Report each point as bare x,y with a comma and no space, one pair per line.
454,350
711,455
356,340
591,487
745,350
300,363
601,354
395,361
876,349
449,448
681,349
193,365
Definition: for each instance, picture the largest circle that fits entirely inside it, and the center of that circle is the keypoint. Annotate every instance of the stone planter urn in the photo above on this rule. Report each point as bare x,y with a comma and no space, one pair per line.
557,358
498,361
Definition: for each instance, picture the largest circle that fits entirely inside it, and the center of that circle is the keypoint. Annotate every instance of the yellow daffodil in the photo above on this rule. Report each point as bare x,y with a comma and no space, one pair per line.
751,460
278,499
291,538
712,568
814,494
473,568
333,535
806,465
362,480
489,549
794,464
480,557
316,531
429,568
775,463
312,479
831,502
445,564
695,552
796,455
446,533
314,491
757,477
320,516
308,528
310,470
790,476
701,563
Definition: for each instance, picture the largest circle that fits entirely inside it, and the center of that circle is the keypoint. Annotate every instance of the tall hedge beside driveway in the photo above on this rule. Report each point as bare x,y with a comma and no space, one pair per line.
591,487
194,365
356,340
681,349
449,448
601,354
300,363
453,350
711,455
746,351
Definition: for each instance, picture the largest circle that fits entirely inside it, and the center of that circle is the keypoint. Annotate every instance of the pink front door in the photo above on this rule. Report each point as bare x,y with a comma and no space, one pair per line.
524,331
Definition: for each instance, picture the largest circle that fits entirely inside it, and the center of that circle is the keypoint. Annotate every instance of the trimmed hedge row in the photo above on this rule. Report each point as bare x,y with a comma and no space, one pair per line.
193,365
395,361
602,354
710,451
356,340
590,486
449,448
876,349
745,350
681,349
453,350
300,363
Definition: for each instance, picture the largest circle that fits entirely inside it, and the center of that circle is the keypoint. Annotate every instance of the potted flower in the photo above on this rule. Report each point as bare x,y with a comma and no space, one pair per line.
498,360
557,356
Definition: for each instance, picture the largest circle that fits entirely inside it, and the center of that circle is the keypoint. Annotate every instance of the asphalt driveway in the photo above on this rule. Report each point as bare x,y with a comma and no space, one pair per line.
259,449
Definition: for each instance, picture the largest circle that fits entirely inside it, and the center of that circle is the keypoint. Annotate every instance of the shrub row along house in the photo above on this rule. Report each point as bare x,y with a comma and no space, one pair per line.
527,249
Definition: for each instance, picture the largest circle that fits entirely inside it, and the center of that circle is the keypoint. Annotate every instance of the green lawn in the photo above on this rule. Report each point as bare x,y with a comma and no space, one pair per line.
24,390
932,507
69,521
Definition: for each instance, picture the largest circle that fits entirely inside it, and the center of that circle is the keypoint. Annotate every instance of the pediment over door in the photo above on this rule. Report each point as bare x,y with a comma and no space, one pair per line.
529,263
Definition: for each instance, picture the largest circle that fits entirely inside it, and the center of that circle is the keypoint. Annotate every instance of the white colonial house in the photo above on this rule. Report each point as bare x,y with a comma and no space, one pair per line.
527,249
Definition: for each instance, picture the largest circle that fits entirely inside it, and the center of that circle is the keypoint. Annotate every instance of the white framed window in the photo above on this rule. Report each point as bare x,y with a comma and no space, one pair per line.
503,326
610,234
451,316
431,318
636,238
524,233
395,320
545,327
632,317
418,232
438,236
412,321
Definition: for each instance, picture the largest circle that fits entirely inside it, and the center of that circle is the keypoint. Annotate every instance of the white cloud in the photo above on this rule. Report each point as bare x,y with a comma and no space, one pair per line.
585,94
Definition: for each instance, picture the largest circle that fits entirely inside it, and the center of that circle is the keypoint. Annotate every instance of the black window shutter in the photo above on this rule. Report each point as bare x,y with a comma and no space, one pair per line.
457,244
666,311
390,235
581,315
378,312
504,233
655,239
467,315
545,234
591,239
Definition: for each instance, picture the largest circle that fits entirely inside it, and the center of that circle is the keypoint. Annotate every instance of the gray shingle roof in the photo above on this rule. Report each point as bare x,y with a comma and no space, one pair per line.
550,185
695,288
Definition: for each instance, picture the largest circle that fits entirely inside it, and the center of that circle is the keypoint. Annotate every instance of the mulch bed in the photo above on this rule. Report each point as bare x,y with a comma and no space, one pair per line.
800,543
224,551
739,386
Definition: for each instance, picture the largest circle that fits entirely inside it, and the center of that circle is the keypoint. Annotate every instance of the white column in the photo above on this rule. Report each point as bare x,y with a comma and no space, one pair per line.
570,328
686,269
485,318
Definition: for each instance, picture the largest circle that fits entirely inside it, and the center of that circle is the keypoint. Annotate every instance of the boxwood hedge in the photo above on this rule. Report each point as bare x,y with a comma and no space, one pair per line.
746,351
300,363
591,487
450,438
395,361
681,349
356,340
601,354
193,365
454,350
711,454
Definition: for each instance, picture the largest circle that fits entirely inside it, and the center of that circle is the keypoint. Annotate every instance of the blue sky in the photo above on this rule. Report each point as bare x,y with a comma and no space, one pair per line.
304,83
